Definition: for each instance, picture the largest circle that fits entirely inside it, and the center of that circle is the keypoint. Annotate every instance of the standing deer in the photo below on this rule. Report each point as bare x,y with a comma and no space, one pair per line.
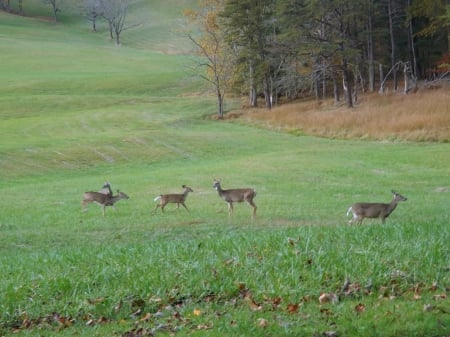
236,195
363,210
178,199
102,199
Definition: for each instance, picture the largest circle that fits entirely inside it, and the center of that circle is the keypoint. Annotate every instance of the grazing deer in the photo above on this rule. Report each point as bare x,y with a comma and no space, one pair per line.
102,199
236,195
363,210
178,199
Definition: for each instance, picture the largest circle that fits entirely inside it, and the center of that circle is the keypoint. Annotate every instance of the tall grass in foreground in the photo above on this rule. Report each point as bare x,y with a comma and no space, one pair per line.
381,281
421,116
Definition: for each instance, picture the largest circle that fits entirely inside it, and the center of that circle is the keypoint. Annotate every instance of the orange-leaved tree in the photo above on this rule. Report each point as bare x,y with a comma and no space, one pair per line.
217,58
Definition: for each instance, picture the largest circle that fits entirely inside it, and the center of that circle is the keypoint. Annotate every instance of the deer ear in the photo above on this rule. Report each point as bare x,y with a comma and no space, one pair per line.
393,192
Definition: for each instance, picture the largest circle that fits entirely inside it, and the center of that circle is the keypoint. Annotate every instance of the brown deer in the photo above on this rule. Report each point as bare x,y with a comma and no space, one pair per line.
236,195
363,210
102,199
178,199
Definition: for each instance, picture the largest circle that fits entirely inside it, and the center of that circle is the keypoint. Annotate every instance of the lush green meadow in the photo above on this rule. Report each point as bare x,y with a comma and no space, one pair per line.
76,110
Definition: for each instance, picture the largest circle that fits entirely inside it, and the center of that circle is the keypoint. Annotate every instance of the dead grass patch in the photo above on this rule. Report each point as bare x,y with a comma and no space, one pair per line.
422,116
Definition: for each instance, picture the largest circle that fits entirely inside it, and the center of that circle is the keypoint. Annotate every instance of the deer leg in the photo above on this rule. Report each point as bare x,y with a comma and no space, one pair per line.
185,206
103,209
230,208
156,208
251,203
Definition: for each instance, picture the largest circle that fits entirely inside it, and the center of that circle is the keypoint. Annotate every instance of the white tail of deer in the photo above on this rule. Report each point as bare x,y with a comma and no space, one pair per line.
236,195
102,199
363,210
178,199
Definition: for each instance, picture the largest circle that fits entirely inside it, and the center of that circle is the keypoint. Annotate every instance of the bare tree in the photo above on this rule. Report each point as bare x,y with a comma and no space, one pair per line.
93,10
56,7
115,12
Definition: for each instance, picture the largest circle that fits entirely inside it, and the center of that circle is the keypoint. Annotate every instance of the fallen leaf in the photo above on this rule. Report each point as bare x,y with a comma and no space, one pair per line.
360,308
263,323
434,286
428,307
146,317
204,326
328,298
197,312
292,308
442,296
323,298
276,302
253,305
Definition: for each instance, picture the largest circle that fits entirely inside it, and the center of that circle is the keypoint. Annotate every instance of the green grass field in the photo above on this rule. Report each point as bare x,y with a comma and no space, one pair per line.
76,110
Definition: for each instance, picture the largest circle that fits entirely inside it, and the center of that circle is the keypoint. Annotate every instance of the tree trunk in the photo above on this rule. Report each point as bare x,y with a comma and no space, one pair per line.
335,87
111,30
370,60
253,96
220,105
392,38
411,46
267,93
346,82
380,69
94,22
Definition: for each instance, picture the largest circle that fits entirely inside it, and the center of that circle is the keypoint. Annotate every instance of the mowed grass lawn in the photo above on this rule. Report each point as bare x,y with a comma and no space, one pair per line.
76,110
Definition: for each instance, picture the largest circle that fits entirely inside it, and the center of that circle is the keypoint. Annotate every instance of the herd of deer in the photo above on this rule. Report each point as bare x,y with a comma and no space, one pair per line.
360,210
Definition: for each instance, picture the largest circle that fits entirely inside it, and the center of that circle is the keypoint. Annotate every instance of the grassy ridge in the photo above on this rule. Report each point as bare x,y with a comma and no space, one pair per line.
82,111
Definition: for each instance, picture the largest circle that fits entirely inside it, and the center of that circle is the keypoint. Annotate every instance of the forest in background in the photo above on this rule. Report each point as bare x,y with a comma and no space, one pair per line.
290,48
272,49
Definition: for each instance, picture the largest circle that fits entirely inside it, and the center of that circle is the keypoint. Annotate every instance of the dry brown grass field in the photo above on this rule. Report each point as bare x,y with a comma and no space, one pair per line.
420,116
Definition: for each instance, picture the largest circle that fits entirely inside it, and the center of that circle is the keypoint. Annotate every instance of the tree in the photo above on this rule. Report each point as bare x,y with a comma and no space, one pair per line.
115,12
250,29
93,10
217,57
55,4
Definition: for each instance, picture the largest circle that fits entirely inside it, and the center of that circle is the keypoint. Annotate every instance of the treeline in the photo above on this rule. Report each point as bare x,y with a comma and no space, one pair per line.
332,48
287,48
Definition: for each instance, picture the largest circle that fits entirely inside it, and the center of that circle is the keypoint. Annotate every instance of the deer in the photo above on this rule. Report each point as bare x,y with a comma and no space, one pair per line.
178,199
236,195
106,189
102,199
362,210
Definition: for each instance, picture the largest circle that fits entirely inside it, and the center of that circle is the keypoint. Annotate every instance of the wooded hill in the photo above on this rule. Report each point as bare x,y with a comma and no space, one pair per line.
292,48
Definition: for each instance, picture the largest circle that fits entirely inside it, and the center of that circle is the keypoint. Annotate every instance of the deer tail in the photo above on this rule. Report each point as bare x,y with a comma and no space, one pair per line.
349,210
